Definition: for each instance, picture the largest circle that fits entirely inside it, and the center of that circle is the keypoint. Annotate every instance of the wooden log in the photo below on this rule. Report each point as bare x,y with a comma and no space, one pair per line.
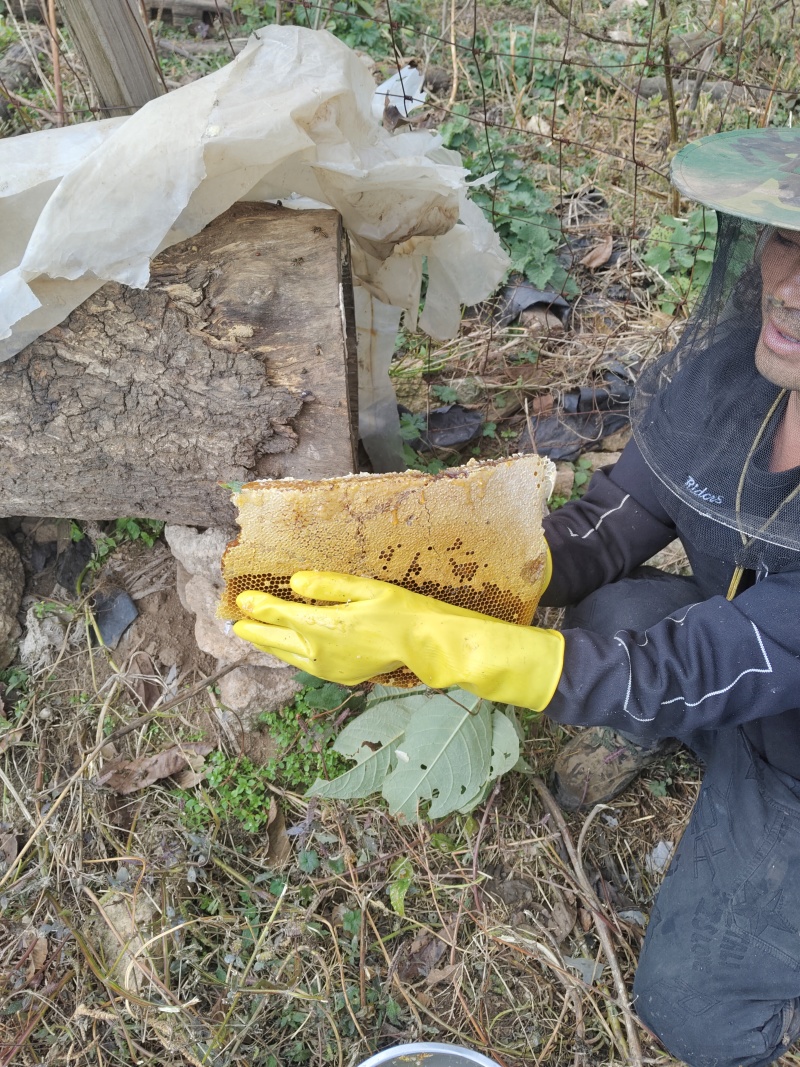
236,362
177,11
114,44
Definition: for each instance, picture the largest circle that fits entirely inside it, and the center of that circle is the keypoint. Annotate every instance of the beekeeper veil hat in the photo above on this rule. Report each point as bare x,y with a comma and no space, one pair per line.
704,418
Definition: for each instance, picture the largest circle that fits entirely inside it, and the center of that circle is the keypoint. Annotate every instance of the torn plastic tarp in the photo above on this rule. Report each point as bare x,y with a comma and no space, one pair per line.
289,119
584,418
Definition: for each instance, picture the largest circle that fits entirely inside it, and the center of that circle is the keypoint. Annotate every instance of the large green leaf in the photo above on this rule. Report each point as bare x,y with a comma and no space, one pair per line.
505,757
371,740
445,756
505,745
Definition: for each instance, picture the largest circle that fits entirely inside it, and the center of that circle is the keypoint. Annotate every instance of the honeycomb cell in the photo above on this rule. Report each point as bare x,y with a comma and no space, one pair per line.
474,536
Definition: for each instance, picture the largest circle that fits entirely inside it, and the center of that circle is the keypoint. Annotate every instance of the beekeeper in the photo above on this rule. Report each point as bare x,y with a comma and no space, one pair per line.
713,660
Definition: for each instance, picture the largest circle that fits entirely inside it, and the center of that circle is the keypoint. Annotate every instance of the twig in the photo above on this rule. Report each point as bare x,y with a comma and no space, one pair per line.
634,1050
20,803
477,845
764,120
674,134
704,67
453,55
56,57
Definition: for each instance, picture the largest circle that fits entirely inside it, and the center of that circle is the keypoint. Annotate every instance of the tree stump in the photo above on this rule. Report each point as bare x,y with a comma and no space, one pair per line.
236,362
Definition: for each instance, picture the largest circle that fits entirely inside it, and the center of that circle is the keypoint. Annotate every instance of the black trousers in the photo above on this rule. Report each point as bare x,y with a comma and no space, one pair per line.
719,974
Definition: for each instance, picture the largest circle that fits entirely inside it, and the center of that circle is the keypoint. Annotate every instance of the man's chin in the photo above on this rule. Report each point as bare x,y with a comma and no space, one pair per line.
781,371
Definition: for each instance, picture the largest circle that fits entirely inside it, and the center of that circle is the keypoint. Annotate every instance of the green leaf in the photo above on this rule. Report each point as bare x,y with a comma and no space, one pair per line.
445,756
410,700
479,798
327,697
371,740
446,393
659,257
505,745
351,922
309,681
658,789
403,875
308,861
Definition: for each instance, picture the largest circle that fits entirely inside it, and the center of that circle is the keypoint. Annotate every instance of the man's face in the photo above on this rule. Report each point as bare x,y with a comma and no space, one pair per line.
778,348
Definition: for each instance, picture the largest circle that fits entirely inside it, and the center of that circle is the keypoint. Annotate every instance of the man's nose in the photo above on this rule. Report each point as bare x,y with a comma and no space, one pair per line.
787,291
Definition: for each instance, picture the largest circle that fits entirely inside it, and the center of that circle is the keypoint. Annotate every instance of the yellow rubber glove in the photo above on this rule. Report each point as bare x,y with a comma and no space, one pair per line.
373,627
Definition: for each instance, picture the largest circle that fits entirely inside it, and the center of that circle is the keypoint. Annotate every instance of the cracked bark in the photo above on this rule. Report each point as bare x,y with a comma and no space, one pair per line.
231,365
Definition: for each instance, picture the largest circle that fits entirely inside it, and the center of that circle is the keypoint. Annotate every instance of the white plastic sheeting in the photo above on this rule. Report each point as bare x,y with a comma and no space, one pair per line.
290,118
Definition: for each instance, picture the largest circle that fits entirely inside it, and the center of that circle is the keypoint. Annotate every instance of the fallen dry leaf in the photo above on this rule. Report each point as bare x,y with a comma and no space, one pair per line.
600,254
515,891
423,954
128,776
141,670
538,319
442,974
8,848
35,956
563,913
189,778
279,847
9,738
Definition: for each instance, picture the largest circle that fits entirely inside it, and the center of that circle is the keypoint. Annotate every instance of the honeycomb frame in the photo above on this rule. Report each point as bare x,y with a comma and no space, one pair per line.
470,536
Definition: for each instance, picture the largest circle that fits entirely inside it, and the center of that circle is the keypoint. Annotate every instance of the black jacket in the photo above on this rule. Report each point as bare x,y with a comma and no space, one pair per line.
716,664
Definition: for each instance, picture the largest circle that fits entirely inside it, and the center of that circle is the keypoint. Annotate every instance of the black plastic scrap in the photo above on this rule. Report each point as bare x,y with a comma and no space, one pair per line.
114,611
583,418
450,426
519,295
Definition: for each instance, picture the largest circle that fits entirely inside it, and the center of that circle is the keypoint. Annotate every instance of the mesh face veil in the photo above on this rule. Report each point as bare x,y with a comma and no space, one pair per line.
705,419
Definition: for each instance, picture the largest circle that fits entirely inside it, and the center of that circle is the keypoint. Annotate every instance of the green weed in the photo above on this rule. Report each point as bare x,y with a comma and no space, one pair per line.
682,251
15,682
520,211
235,789
303,733
145,531
583,473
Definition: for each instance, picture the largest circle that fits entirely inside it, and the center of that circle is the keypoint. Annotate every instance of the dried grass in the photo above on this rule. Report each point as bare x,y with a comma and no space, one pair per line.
159,945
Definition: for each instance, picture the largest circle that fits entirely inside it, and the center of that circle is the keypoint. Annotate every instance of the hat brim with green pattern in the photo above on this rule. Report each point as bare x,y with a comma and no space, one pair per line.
754,174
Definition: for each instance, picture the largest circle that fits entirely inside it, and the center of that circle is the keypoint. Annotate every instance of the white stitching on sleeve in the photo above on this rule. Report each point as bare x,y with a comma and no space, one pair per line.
600,521
694,703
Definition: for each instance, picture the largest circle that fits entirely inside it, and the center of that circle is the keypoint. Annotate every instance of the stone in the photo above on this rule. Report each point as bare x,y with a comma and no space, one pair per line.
252,690
200,585
213,635
44,531
12,584
600,459
199,553
565,480
617,441
261,682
